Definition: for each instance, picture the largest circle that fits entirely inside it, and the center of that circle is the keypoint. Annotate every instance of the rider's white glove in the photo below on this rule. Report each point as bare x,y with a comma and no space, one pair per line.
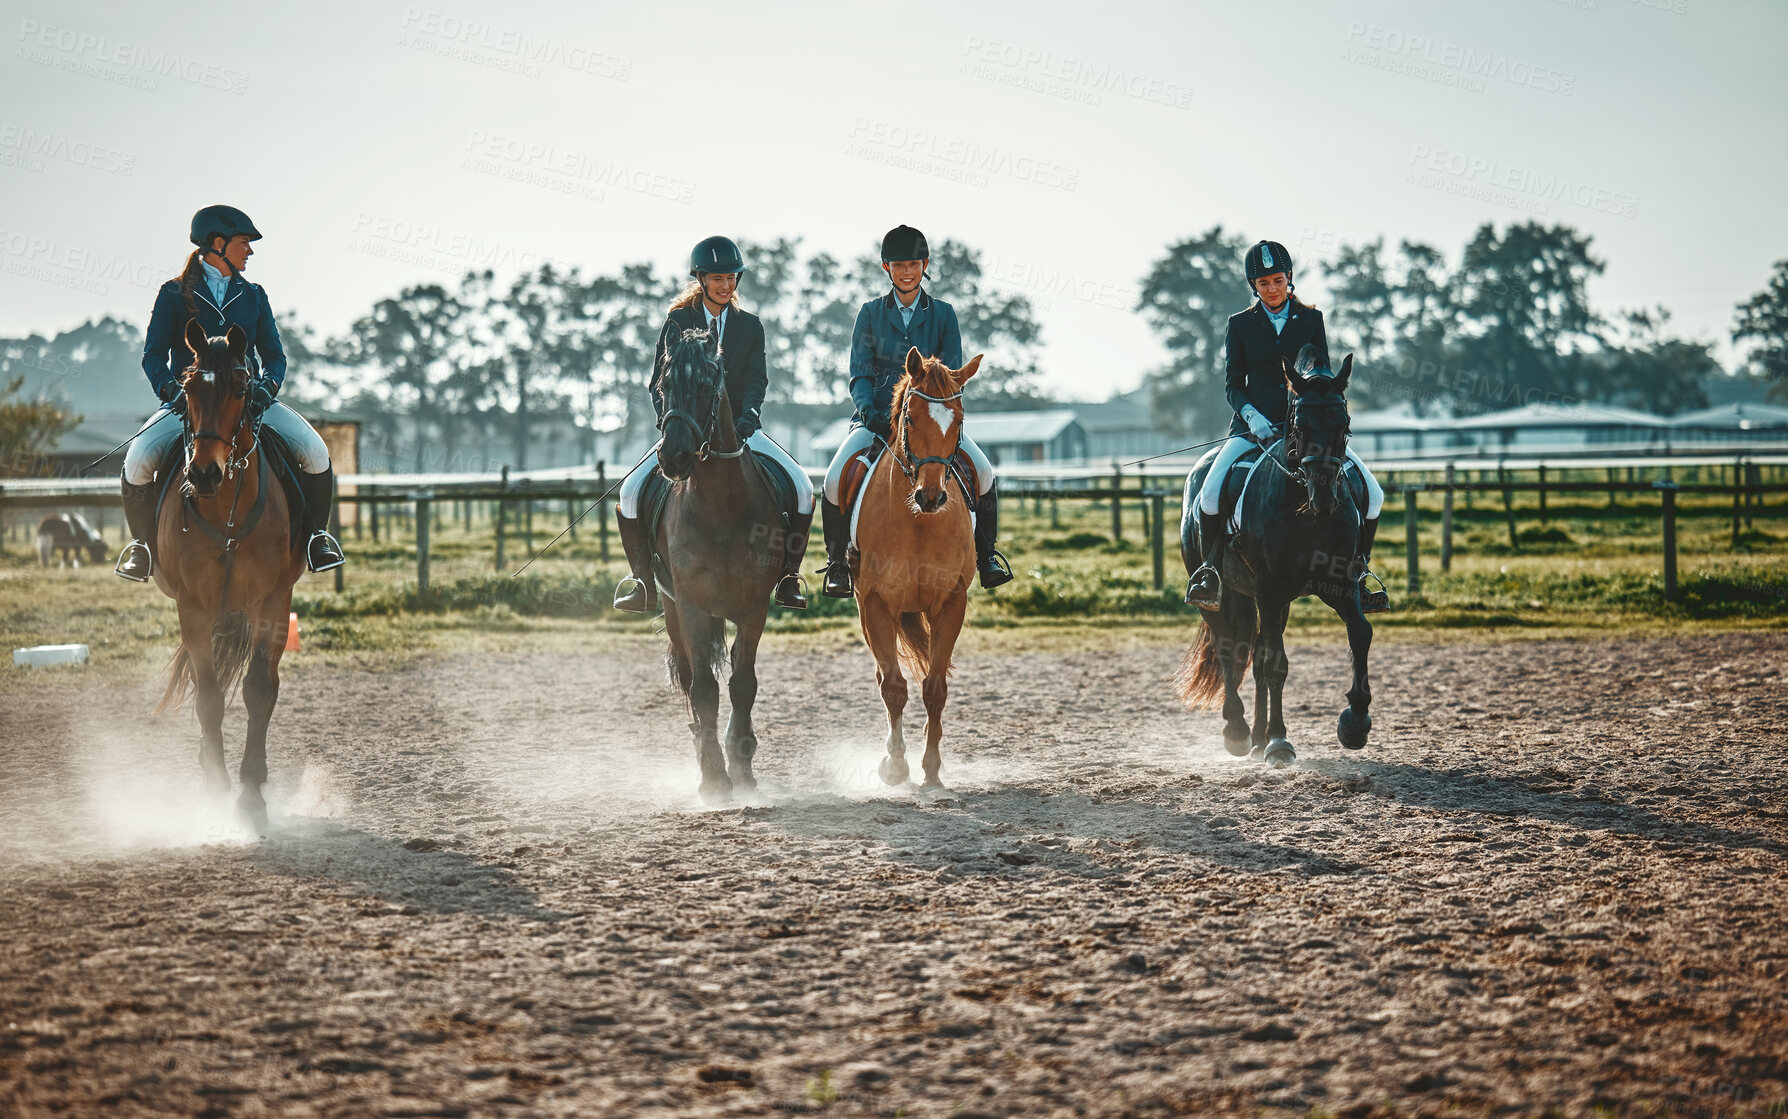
1257,423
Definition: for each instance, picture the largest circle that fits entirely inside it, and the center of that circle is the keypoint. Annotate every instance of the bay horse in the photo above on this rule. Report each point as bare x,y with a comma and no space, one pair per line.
722,540
915,553
1300,525
226,555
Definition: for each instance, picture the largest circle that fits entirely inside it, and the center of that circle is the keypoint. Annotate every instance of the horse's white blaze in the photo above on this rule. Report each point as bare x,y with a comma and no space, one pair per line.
941,415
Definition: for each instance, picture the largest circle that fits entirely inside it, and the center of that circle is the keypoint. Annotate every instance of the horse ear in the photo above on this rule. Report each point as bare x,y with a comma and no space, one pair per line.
1294,380
1346,370
237,340
967,371
195,338
1307,358
914,363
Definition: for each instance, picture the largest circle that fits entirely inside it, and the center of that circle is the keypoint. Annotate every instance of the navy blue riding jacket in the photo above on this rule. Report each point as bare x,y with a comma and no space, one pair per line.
879,345
245,305
1253,373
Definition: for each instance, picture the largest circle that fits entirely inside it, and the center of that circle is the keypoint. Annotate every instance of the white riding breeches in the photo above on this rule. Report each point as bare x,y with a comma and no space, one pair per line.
858,438
759,441
147,449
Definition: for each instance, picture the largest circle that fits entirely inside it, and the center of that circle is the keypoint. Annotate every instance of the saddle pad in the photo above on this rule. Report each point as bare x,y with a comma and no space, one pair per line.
782,487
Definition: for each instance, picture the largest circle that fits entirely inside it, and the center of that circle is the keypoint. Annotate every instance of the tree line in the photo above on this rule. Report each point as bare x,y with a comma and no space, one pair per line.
1508,322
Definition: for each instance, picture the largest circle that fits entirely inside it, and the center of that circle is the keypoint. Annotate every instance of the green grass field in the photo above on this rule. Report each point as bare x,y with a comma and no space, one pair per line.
1586,569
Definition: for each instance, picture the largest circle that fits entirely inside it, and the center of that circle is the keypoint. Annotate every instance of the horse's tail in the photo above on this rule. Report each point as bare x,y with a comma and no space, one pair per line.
1199,680
915,643
231,645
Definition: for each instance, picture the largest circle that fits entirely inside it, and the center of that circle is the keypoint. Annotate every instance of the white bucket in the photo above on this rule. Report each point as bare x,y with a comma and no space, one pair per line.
42,655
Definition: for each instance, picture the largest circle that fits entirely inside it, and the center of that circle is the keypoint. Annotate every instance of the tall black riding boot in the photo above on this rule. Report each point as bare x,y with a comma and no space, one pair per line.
642,596
838,538
788,590
995,571
1371,602
135,562
1205,589
320,551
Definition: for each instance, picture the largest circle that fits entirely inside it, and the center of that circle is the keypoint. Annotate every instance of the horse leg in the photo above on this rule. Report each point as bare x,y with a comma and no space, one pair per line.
946,624
741,740
1233,635
260,692
879,630
1356,720
207,697
704,704
1272,631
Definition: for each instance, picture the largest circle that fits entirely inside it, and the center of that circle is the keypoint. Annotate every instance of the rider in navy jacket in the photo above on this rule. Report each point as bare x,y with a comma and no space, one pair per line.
889,326
878,351
244,305
211,291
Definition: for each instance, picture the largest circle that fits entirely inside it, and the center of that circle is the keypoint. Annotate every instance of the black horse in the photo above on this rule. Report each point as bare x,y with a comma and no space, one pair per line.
722,539
1300,531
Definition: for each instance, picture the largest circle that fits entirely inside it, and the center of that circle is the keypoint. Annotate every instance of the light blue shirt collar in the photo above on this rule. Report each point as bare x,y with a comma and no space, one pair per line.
906,309
216,282
716,323
1280,317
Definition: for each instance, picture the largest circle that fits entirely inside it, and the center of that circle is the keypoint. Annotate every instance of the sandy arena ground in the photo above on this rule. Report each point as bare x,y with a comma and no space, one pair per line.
1554,880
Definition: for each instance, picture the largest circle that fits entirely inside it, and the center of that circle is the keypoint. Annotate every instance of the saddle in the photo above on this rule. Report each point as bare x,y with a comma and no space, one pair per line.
861,465
1241,474
654,499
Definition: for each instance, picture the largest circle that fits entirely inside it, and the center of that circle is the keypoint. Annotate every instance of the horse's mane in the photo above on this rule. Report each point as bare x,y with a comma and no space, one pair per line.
934,380
676,368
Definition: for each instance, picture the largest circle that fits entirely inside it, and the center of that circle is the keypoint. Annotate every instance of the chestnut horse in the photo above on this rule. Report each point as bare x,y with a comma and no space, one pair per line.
915,553
225,554
722,539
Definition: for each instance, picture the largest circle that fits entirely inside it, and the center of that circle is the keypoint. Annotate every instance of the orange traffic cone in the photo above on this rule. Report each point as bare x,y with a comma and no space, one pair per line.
292,632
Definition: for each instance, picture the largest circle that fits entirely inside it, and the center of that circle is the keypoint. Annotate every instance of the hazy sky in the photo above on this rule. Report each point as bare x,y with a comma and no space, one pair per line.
379,144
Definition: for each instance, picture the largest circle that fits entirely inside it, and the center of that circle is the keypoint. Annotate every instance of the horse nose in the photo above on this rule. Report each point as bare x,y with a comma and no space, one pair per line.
931,501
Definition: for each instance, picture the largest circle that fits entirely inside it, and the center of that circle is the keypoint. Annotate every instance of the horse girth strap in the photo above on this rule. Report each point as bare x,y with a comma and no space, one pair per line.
229,541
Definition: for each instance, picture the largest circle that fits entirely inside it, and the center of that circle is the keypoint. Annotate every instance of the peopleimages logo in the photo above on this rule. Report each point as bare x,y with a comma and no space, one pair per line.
23,146
71,266
566,171
1063,76
96,56
1448,63
1443,167
928,152
505,48
432,247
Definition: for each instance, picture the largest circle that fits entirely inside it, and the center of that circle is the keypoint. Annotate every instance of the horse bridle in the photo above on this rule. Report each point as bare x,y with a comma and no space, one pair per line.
231,465
909,465
705,432
1339,462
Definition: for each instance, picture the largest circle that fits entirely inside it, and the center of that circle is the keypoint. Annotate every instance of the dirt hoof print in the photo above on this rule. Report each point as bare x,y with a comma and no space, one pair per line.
719,1074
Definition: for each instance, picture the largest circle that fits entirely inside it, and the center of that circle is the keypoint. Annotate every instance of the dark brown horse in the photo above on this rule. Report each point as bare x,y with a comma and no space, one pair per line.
227,558
723,540
916,554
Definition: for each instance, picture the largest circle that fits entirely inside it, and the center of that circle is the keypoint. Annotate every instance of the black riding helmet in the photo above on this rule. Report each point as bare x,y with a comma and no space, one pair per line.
716,254
1263,258
903,242
221,221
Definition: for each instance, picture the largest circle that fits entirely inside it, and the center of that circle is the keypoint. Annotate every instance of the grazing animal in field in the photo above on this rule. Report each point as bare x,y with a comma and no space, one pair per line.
65,535
915,553
226,554
1300,517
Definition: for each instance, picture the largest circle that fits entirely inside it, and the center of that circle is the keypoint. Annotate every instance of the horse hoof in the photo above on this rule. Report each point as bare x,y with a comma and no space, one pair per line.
1352,728
931,783
1279,753
1236,744
893,771
743,781
253,812
717,791
1257,752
